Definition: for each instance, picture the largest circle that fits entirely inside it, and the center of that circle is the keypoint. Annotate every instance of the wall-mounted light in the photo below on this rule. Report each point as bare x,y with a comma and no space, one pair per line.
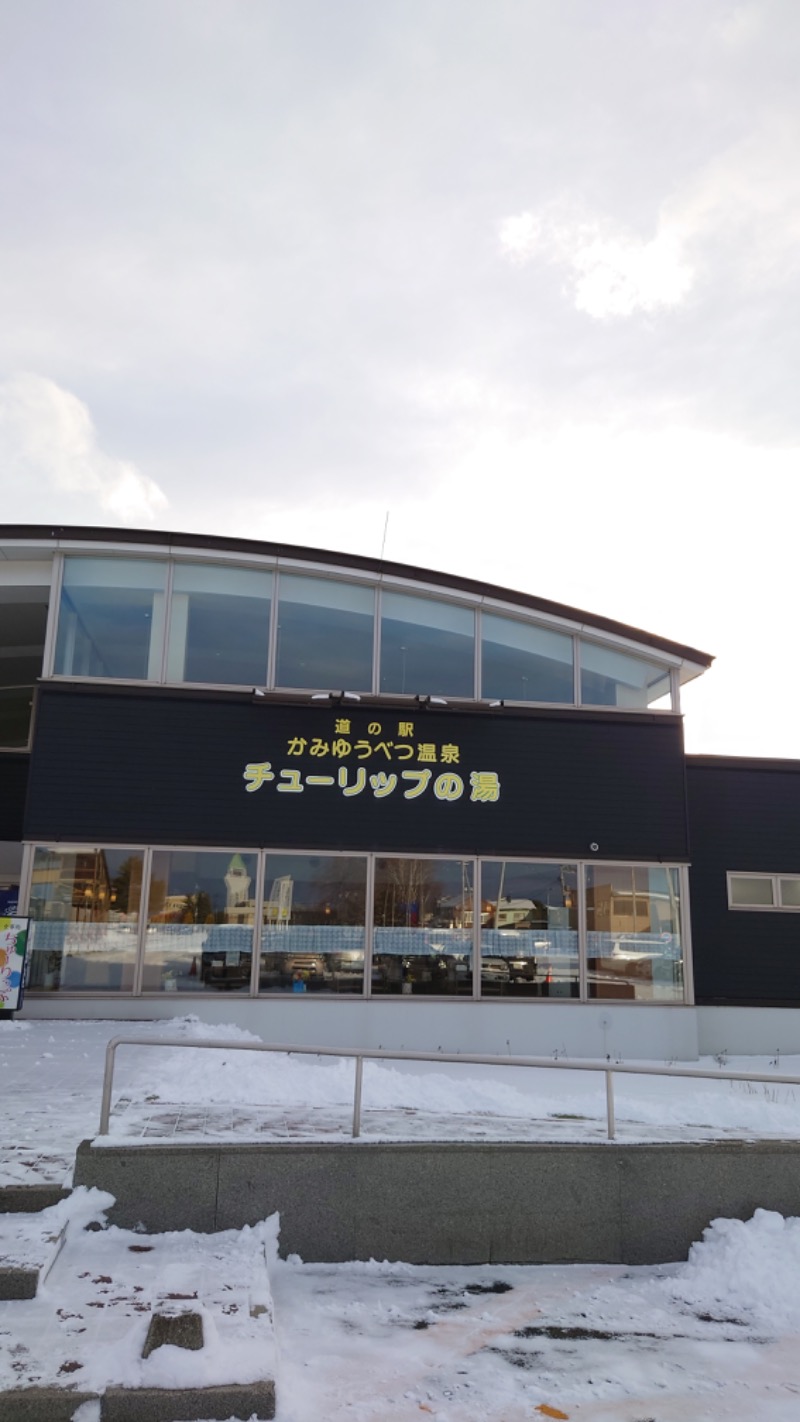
335,697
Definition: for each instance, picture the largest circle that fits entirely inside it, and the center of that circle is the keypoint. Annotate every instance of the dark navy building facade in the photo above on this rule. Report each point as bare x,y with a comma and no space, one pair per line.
345,801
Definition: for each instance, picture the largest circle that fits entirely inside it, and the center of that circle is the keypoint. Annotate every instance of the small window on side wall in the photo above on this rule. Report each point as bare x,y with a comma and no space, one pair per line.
764,891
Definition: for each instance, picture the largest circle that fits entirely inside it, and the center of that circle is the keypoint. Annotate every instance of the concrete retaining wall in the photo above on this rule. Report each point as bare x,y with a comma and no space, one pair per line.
529,1027
452,1203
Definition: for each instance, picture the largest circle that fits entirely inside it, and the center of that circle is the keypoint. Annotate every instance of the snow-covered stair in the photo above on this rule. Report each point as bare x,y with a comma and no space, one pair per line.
203,1301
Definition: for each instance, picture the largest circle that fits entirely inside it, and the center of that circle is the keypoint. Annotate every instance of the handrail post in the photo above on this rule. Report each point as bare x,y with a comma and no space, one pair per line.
357,1097
108,1077
610,1104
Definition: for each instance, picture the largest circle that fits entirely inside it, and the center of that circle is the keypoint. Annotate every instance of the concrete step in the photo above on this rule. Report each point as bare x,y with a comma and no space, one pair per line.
29,1247
27,1199
168,1404
153,1328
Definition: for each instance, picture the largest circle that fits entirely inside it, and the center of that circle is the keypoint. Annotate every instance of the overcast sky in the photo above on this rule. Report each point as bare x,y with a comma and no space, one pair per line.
523,273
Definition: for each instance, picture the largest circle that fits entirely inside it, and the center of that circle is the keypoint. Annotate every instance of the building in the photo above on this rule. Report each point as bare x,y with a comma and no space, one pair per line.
344,801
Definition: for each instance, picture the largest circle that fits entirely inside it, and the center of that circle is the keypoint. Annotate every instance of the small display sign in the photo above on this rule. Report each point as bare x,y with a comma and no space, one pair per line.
13,945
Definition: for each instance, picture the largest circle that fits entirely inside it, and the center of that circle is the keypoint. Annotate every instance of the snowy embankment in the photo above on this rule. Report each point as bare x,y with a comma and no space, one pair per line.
267,1080
53,1071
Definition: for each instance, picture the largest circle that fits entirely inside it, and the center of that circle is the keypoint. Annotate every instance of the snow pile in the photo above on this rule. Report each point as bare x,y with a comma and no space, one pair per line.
745,1270
212,1078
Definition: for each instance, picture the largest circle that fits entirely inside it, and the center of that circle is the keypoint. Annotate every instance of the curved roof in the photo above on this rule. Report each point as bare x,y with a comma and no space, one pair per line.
52,535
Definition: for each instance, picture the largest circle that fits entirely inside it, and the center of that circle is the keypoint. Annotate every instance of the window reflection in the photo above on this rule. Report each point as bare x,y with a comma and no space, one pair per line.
219,625
611,678
111,619
422,940
23,619
529,930
312,938
524,663
85,910
427,647
633,922
200,922
325,634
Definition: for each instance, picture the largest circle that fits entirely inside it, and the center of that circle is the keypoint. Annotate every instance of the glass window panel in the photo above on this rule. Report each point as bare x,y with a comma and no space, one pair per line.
10,870
111,618
200,922
427,647
23,620
529,929
15,716
219,625
752,891
422,941
633,940
313,934
790,893
524,663
325,635
85,906
612,678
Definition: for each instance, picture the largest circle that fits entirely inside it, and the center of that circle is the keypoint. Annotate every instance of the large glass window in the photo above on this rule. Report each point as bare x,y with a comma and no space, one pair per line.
633,940
23,619
524,663
111,619
529,929
200,921
427,647
423,913
85,905
611,678
325,635
219,625
312,938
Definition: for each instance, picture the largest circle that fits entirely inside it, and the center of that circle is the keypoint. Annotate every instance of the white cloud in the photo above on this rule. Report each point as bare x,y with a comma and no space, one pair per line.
738,213
48,444
612,272
744,25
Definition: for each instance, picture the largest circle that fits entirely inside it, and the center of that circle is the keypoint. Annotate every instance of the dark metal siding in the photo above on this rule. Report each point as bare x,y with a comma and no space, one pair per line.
167,768
743,817
13,788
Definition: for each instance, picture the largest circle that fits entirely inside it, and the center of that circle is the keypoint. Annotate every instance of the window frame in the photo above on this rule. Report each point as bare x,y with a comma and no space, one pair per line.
777,905
263,853
378,584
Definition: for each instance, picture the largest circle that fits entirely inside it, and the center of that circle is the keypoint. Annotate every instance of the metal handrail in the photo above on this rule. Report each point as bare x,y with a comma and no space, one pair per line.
362,1054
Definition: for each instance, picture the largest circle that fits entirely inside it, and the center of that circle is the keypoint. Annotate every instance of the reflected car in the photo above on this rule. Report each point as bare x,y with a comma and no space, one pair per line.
495,970
522,970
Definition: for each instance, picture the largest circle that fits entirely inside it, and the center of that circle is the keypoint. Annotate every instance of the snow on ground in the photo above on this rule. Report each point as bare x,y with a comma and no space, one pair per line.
52,1074
706,1341
710,1340
87,1326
